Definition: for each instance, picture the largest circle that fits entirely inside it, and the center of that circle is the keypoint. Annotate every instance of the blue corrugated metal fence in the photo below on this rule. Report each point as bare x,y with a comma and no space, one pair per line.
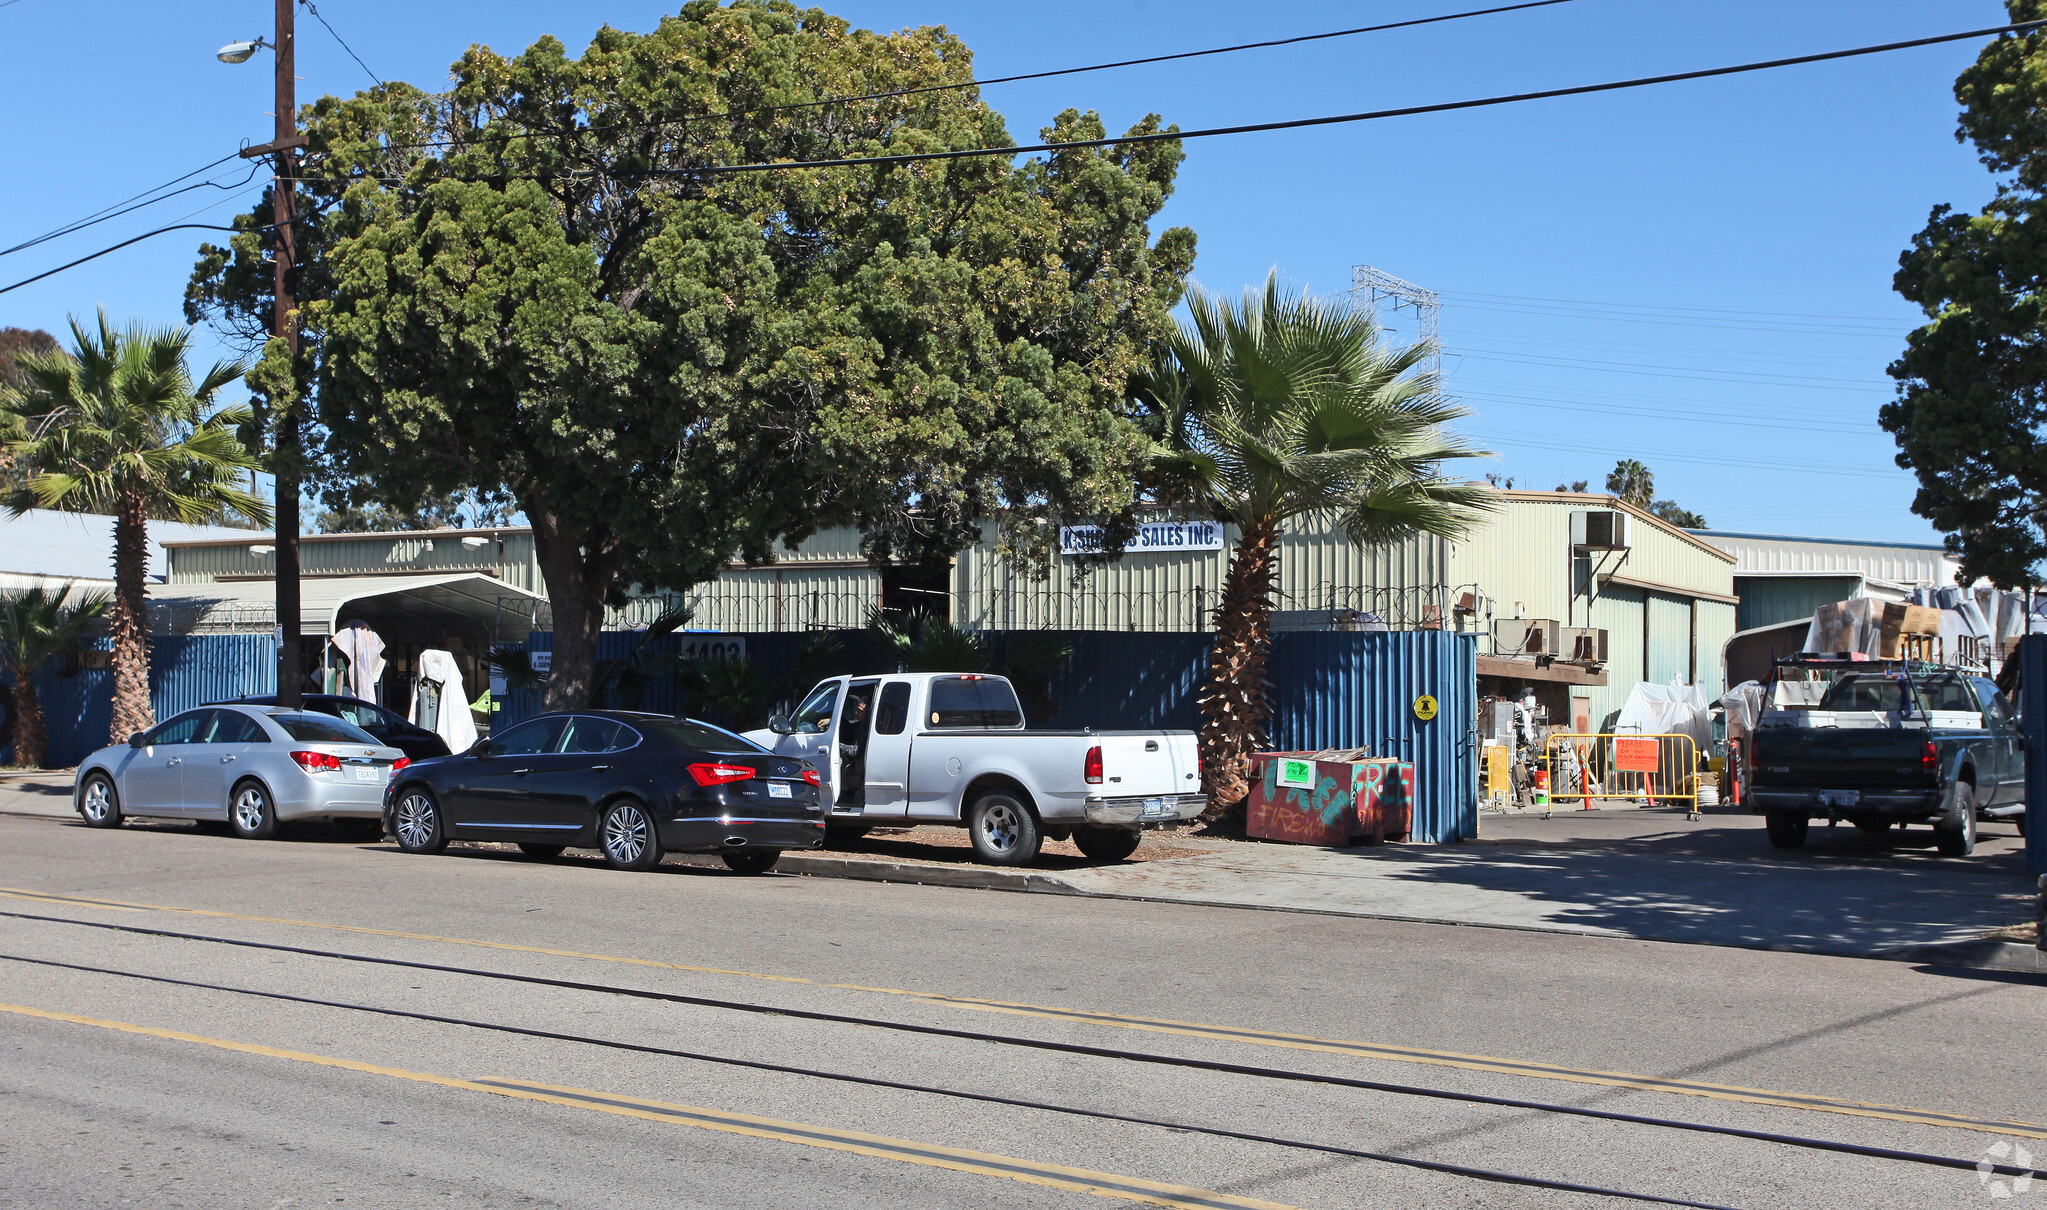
1329,691
184,671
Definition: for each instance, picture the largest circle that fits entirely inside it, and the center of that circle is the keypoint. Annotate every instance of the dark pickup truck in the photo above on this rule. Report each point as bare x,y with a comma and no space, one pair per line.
1892,747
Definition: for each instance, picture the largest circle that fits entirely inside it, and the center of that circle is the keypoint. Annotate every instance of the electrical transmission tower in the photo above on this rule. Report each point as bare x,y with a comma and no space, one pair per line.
1381,289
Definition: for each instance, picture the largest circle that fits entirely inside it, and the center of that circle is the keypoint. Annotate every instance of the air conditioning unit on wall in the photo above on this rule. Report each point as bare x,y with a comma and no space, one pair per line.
1525,636
1581,645
1599,529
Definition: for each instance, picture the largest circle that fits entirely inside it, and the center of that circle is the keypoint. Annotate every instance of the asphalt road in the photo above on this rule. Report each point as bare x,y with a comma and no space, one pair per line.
122,1091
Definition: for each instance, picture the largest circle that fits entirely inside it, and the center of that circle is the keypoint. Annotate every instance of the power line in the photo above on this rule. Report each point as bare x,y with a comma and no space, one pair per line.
1338,119
344,44
1037,75
101,214
124,243
1702,374
1585,302
93,222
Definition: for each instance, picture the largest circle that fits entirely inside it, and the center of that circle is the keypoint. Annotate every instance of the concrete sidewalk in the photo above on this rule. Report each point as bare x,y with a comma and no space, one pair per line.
1646,874
1643,874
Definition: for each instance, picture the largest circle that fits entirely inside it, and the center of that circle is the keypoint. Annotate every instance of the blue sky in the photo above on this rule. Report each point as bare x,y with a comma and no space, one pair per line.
1697,274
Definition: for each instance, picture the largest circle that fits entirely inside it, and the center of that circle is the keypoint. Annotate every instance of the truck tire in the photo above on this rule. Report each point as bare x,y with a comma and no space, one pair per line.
1107,844
1954,833
1787,828
1004,830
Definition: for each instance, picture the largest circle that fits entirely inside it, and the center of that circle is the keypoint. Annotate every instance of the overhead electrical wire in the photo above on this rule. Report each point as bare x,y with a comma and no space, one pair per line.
1586,302
124,243
101,215
1250,128
1036,75
344,43
1340,119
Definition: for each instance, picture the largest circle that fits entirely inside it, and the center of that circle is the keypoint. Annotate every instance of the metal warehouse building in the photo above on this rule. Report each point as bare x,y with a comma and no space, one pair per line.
1664,598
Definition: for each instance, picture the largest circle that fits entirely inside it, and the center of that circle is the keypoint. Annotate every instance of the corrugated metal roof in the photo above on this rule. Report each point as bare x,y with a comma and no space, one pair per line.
322,600
1900,562
81,545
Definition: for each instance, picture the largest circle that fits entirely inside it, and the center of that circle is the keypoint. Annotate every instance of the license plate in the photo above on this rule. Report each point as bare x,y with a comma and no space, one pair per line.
1157,806
367,772
1840,798
778,789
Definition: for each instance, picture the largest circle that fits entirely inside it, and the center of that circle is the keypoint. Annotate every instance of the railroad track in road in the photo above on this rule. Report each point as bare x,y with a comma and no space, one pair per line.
1384,1087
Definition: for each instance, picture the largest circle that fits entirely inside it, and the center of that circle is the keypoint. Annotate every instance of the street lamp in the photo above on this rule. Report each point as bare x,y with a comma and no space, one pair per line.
239,52
283,147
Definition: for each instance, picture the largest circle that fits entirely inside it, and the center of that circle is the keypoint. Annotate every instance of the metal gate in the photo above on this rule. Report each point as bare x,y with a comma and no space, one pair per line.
1607,765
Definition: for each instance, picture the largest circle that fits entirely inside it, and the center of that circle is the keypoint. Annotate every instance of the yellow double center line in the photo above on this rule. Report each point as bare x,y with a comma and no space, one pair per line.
1191,1029
930,1155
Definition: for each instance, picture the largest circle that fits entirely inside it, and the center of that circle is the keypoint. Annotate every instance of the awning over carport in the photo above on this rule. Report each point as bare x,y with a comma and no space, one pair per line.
471,604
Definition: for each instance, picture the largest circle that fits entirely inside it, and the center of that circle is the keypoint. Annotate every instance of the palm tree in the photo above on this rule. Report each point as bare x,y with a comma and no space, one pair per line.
118,426
1275,407
35,625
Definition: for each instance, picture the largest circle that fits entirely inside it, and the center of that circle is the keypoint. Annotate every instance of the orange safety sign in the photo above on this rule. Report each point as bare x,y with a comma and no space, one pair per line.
1631,755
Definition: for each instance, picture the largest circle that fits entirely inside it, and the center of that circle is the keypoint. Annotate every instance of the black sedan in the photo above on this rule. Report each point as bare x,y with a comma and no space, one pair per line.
633,786
391,728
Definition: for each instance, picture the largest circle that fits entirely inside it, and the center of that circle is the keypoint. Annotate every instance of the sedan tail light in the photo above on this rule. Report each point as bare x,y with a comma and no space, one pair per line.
313,762
400,763
1093,768
810,775
719,774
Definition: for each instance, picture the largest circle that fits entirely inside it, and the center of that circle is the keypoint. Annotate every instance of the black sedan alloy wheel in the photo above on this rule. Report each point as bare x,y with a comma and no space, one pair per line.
628,836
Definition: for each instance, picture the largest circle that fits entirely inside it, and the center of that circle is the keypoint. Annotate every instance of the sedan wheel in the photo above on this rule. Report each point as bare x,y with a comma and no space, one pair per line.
417,823
100,806
630,840
250,814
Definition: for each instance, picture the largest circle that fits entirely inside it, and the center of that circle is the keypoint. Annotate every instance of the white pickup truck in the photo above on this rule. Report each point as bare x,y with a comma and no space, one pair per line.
952,748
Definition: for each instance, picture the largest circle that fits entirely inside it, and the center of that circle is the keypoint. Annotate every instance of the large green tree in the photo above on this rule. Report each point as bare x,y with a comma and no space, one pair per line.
118,425
1972,383
667,365
1273,407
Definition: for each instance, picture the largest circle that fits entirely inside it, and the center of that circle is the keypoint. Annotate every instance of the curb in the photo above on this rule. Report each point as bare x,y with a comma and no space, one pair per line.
1986,954
969,877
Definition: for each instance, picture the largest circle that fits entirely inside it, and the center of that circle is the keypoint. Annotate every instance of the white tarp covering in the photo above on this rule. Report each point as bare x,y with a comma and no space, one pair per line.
365,651
1673,709
452,721
1744,706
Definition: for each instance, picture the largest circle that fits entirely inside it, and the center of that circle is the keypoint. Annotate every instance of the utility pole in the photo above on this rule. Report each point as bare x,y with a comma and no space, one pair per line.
284,146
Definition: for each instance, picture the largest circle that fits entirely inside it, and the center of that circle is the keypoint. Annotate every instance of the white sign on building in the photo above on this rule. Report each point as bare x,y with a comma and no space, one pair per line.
1157,537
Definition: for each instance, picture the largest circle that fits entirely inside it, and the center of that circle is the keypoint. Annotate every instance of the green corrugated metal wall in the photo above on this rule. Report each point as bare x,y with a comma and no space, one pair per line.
1768,600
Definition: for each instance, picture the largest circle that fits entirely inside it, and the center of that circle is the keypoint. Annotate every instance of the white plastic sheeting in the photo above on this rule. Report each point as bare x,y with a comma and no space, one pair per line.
451,722
1673,709
1744,705
365,651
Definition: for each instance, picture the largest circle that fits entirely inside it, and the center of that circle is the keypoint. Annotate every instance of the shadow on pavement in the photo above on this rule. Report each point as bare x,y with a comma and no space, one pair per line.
1717,880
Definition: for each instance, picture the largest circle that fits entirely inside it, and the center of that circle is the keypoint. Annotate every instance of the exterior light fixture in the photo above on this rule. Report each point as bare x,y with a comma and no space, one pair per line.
473,543
239,52
260,551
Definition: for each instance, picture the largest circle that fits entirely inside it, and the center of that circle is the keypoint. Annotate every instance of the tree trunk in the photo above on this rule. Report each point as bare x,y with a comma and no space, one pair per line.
577,579
130,621
31,739
1235,706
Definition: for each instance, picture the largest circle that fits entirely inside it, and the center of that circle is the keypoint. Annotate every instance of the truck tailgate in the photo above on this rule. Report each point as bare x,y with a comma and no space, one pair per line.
1849,758
1147,763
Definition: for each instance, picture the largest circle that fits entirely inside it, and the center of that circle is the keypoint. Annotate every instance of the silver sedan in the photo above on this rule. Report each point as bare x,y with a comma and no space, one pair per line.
250,767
